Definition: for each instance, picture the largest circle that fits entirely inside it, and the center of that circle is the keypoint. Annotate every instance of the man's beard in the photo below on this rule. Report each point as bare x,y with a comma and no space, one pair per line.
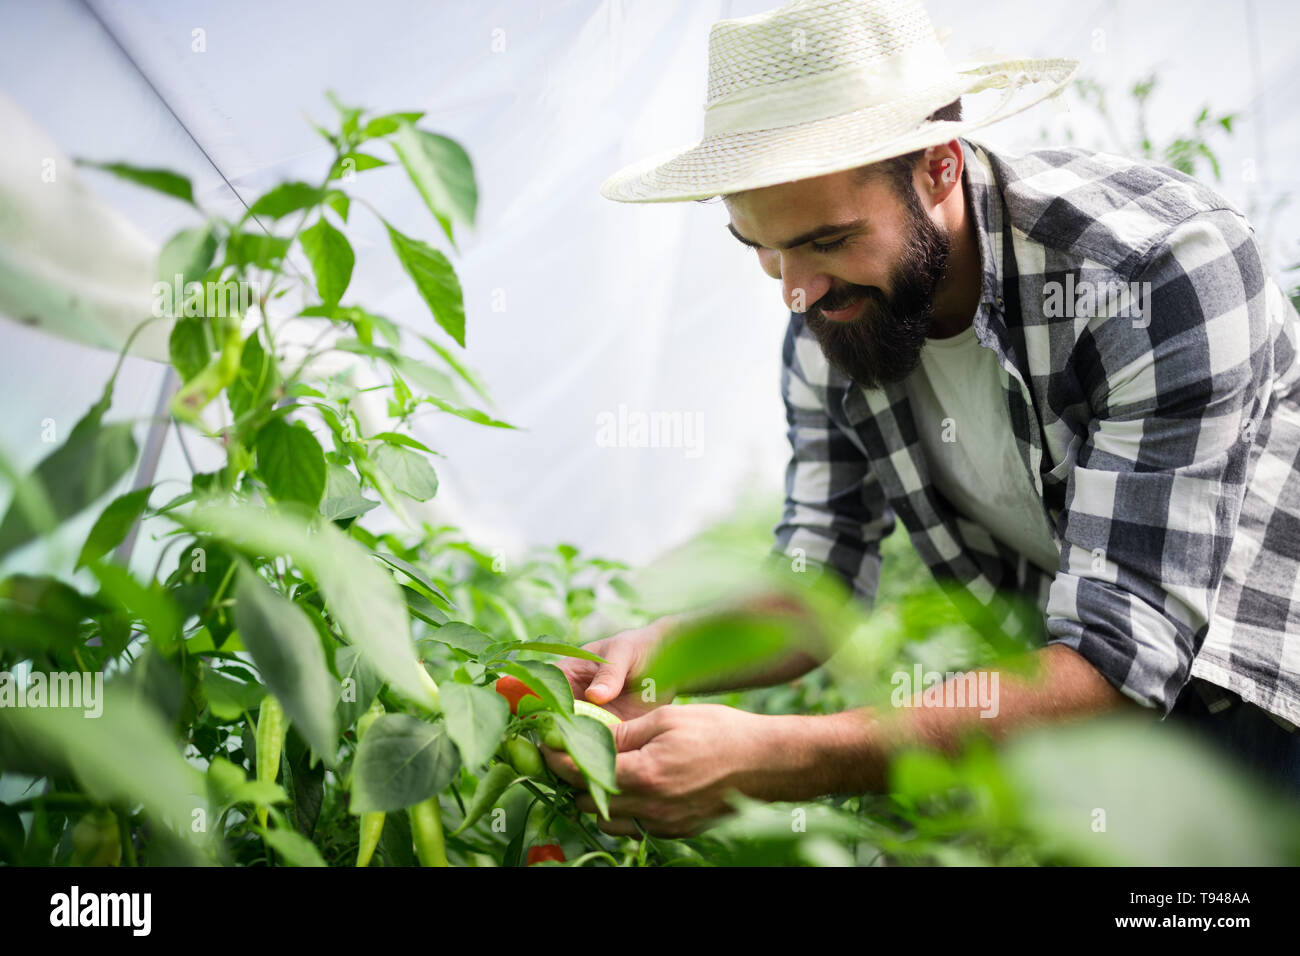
883,343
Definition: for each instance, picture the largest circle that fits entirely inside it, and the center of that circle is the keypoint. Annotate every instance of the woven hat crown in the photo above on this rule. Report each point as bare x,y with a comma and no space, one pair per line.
820,86
808,38
819,58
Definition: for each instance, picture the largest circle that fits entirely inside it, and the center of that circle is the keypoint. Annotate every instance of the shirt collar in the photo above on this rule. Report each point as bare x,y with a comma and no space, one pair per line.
986,213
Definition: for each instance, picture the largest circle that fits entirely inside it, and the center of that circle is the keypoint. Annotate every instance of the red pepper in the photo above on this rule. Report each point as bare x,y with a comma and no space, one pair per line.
545,853
512,689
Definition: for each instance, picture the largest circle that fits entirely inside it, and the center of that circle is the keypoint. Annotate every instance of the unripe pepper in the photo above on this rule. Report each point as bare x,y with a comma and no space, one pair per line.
372,824
553,738
525,757
584,708
426,831
271,728
494,783
195,394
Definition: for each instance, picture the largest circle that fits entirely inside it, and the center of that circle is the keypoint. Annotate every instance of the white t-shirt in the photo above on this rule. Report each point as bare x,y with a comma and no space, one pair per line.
962,420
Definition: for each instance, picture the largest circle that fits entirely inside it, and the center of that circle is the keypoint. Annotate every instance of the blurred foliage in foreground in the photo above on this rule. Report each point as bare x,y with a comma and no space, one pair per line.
1118,790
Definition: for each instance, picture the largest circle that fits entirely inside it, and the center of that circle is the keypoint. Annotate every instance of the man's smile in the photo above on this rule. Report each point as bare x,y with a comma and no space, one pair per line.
845,314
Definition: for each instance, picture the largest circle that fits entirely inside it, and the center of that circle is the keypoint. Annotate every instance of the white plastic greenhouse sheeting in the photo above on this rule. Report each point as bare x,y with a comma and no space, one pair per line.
645,308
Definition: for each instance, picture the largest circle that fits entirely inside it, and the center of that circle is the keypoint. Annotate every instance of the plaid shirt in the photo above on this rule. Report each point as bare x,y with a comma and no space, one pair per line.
1161,431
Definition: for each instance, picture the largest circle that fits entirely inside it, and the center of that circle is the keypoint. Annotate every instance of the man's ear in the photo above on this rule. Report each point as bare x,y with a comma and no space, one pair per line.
943,168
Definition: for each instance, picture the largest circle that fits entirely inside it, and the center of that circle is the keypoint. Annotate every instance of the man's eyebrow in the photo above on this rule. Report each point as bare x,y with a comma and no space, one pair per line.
818,233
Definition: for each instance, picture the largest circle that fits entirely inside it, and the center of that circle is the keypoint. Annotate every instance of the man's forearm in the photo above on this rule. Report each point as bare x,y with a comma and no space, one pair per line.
850,752
793,662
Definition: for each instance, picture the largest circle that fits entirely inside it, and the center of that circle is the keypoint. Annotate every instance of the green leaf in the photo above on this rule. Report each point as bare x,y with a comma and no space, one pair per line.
476,720
435,280
366,684
355,162
415,574
397,438
291,462
343,498
400,762
288,653
188,254
545,680
148,603
189,347
295,848
545,647
256,249
703,651
591,745
469,414
126,755
162,180
227,784
349,116
518,629
111,527
388,123
460,368
76,474
463,637
1169,797
257,378
42,613
365,601
304,781
409,471
423,375
443,173
331,258
227,698
284,199
339,202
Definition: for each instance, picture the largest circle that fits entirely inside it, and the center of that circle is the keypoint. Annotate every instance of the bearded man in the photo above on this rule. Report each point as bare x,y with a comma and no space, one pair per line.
1067,373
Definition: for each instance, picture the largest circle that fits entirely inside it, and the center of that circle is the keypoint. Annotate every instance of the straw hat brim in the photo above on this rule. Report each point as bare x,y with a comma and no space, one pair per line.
734,162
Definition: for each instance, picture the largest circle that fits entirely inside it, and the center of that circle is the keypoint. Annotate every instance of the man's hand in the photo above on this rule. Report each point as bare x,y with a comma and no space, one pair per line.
610,685
676,766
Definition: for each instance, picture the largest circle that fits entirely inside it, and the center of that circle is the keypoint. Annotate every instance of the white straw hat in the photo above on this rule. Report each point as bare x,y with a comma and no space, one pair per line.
820,86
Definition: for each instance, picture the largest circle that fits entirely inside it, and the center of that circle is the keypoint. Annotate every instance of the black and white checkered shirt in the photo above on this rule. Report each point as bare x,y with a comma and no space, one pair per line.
1158,416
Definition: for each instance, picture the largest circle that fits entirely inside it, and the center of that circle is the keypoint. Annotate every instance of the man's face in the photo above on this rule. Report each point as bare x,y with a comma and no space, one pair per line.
864,271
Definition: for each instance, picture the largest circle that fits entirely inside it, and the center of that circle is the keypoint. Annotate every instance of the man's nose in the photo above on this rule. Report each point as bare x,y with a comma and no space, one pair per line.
802,287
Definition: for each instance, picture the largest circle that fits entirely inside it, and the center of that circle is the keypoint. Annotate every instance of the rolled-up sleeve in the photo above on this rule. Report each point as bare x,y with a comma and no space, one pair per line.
835,511
1152,504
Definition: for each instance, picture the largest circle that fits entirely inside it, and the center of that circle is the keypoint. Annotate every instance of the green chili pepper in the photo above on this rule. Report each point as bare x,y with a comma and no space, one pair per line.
552,737
195,394
525,757
271,728
494,783
585,708
426,830
371,829
372,824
